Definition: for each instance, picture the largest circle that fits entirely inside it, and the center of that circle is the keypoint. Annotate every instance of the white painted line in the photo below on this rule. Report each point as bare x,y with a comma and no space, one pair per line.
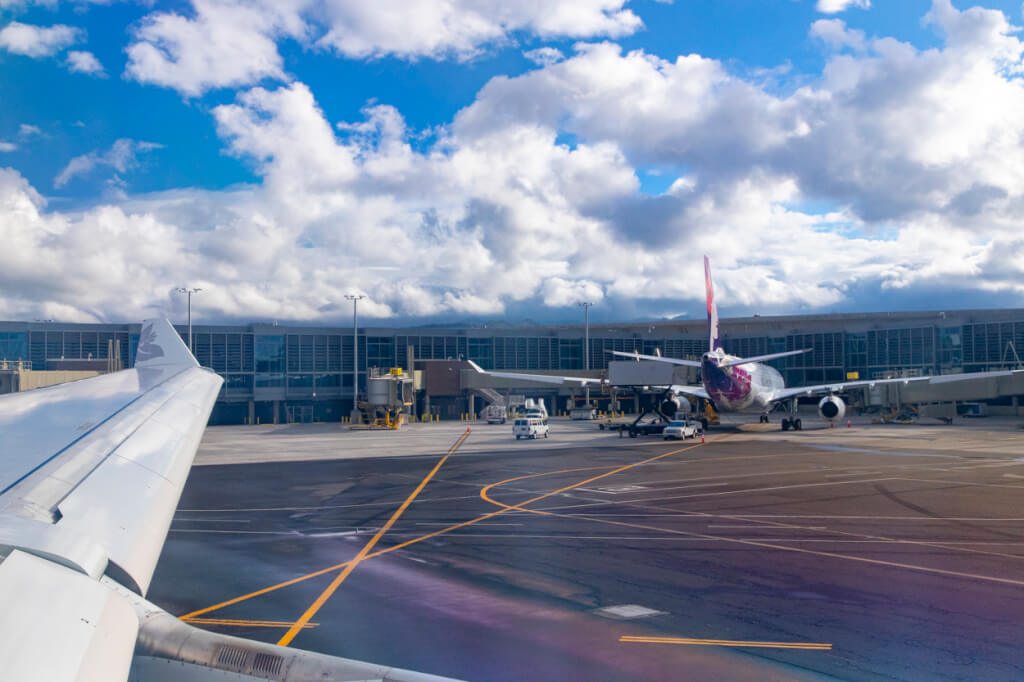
763,526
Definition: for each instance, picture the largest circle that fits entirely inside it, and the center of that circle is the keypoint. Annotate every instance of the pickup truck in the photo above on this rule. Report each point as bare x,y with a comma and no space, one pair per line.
682,430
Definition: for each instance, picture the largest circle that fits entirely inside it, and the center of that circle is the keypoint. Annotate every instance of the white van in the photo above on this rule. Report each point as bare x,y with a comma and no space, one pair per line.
530,428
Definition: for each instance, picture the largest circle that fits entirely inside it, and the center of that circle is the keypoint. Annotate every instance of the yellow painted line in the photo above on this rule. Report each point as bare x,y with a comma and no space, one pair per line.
407,543
814,646
345,572
244,623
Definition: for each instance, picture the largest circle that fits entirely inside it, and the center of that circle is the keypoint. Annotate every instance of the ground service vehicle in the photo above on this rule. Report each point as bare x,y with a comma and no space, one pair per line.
494,414
681,430
530,428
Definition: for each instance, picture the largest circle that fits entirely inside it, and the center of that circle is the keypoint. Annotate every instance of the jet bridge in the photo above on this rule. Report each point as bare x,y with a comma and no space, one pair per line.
649,373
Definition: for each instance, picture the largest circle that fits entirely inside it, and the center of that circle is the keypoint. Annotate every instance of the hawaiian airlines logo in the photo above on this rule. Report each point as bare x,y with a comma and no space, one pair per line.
148,349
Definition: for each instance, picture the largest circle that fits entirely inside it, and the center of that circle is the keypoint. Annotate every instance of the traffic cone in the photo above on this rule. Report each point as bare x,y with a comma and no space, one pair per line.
702,439
467,429
831,425
847,423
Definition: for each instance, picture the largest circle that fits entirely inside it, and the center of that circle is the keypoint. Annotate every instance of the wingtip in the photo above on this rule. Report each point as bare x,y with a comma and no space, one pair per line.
161,346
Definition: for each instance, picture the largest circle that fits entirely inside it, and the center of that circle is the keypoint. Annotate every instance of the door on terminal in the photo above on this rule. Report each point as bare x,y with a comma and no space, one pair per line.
300,414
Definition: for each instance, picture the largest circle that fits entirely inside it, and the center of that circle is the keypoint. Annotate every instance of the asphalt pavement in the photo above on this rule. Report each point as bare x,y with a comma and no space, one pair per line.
871,552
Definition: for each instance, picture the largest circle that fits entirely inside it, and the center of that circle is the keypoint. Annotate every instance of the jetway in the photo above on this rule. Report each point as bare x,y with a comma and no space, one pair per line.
649,373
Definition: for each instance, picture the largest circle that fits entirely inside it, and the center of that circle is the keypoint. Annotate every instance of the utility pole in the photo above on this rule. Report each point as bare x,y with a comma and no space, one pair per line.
586,349
189,291
355,298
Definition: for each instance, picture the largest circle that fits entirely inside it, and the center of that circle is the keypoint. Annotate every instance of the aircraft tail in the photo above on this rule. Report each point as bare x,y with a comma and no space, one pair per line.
714,339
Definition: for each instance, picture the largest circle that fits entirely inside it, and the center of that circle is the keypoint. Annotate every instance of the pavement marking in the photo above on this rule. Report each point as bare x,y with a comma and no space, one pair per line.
800,550
245,623
813,646
718,493
422,523
762,526
324,506
345,572
442,531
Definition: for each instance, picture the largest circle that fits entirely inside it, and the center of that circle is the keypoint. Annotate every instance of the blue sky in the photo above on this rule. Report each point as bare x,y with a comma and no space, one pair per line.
489,160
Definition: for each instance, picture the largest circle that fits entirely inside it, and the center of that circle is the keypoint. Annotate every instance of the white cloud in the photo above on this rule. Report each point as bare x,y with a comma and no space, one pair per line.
121,157
913,151
229,43
835,6
544,56
226,43
7,146
833,32
85,62
436,28
26,130
37,41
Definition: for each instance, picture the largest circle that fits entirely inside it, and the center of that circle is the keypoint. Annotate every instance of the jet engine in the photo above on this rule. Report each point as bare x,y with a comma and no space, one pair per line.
832,407
676,404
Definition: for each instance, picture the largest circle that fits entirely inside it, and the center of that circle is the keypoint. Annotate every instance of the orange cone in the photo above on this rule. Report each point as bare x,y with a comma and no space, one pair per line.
467,429
847,423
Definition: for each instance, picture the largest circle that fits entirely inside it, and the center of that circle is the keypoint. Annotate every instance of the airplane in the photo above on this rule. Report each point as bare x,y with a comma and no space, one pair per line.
746,385
90,476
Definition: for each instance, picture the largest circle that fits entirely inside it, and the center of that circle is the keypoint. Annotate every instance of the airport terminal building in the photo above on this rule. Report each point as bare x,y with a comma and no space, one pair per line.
278,373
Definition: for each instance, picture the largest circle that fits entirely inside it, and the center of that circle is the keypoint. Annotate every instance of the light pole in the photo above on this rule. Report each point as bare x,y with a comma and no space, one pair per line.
355,298
586,305
189,291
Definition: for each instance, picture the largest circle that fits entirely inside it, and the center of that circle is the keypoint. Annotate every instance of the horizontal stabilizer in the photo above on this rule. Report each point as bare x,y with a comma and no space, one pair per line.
764,358
656,358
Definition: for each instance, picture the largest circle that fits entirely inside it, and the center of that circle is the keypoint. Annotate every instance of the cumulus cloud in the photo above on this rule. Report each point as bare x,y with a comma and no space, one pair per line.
436,28
911,152
833,32
121,157
544,56
226,43
7,146
26,130
85,62
835,6
38,41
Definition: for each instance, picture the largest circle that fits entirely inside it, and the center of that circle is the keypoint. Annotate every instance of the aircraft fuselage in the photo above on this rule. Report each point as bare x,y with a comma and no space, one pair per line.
739,388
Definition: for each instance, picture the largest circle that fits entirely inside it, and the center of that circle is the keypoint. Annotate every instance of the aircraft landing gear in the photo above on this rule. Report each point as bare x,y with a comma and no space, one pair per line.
793,422
764,419
704,425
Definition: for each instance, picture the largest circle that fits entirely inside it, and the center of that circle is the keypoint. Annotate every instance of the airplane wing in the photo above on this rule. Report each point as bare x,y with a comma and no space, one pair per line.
656,358
695,391
543,378
838,387
90,477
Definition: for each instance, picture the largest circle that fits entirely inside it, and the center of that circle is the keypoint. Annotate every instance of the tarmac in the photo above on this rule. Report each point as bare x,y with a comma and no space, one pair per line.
861,552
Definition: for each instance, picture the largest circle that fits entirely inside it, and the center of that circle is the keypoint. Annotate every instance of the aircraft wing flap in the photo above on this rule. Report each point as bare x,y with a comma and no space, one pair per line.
60,625
127,502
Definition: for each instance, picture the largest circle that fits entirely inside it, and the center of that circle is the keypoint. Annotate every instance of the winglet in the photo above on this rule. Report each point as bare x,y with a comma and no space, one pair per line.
160,346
